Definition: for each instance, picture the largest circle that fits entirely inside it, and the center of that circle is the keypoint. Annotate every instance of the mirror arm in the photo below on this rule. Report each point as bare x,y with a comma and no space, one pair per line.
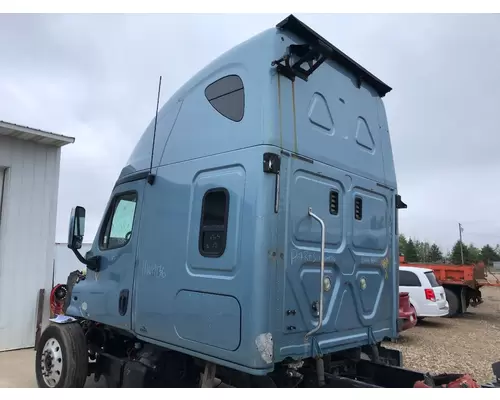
92,263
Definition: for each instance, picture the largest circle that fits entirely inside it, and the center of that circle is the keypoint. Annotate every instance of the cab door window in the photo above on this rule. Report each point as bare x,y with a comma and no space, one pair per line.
119,222
213,227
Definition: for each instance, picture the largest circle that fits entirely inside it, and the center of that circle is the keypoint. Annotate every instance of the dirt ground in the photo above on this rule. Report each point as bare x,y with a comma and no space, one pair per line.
466,344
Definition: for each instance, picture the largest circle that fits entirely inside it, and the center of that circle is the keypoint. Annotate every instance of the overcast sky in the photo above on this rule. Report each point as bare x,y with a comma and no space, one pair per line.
94,77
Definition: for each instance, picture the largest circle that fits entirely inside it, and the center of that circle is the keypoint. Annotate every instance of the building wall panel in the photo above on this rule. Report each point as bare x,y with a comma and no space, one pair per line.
27,236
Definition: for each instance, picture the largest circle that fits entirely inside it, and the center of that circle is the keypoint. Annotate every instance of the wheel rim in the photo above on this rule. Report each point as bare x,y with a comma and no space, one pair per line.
51,362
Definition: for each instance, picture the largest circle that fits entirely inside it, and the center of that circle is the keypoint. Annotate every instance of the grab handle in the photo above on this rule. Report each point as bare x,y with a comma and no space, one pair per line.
322,273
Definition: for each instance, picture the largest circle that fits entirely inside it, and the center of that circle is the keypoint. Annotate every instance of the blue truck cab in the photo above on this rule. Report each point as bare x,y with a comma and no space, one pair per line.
253,229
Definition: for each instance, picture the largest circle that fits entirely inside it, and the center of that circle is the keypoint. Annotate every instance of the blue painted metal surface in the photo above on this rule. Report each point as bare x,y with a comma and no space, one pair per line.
330,135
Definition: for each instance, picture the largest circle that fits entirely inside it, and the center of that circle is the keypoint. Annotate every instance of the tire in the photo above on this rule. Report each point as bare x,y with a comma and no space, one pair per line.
453,303
62,350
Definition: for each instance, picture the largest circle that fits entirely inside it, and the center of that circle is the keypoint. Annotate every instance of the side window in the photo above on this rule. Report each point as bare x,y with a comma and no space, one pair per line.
119,222
213,226
227,96
432,278
407,278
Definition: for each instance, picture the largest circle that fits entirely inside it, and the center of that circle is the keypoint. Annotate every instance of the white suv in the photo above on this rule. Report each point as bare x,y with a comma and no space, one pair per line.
427,297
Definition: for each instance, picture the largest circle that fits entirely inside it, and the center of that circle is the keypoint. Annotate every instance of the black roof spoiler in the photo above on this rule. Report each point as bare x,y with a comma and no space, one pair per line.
328,50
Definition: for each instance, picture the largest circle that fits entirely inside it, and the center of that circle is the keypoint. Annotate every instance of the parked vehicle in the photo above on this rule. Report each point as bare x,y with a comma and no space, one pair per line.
427,297
462,283
251,237
407,313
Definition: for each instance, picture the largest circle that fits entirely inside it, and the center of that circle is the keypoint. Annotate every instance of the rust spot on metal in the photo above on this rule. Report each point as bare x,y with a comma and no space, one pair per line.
279,109
295,148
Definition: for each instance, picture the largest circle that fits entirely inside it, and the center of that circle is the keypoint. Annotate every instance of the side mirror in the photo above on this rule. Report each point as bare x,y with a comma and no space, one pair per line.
76,228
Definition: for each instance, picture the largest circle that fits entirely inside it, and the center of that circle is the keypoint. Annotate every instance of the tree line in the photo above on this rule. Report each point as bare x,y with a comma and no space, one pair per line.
415,250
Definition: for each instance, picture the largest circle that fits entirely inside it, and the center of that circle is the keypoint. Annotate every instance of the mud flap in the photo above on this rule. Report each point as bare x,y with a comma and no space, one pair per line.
496,371
390,356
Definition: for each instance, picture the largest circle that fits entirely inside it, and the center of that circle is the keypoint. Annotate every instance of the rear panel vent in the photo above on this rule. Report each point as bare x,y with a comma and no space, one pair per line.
334,202
358,208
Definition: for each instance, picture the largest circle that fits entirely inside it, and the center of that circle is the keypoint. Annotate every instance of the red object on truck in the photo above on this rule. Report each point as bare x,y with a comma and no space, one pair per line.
448,381
462,283
57,297
407,314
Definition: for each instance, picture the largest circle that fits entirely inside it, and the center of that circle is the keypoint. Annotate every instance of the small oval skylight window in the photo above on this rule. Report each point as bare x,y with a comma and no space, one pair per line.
227,96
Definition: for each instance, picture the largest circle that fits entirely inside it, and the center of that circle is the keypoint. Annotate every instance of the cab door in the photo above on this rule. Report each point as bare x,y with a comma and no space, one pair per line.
107,293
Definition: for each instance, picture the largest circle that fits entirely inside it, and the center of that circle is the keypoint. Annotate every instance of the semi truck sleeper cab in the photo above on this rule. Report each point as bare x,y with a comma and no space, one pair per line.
251,237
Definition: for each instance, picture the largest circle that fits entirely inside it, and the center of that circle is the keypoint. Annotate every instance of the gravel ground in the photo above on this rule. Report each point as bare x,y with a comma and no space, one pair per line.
465,344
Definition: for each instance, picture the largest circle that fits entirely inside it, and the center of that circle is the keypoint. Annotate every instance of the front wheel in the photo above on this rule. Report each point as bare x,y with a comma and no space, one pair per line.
62,357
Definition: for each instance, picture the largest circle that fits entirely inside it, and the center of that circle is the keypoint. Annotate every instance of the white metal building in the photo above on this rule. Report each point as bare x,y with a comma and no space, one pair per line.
29,182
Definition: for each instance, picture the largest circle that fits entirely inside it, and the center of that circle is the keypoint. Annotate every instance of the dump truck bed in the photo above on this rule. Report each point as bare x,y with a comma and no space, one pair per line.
473,276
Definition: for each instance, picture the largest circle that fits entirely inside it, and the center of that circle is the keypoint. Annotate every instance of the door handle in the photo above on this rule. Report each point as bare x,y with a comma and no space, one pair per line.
123,302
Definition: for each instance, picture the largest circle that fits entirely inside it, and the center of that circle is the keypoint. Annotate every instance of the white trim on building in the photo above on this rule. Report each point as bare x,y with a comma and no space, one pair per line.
34,135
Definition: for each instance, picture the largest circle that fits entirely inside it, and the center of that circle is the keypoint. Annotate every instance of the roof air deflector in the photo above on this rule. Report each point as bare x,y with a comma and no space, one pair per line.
317,48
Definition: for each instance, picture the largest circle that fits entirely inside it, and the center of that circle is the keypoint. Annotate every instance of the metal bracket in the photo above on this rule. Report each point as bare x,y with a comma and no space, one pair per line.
301,54
208,377
315,308
399,203
271,163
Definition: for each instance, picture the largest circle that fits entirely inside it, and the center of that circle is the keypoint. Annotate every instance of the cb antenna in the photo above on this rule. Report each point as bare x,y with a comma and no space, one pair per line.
151,177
